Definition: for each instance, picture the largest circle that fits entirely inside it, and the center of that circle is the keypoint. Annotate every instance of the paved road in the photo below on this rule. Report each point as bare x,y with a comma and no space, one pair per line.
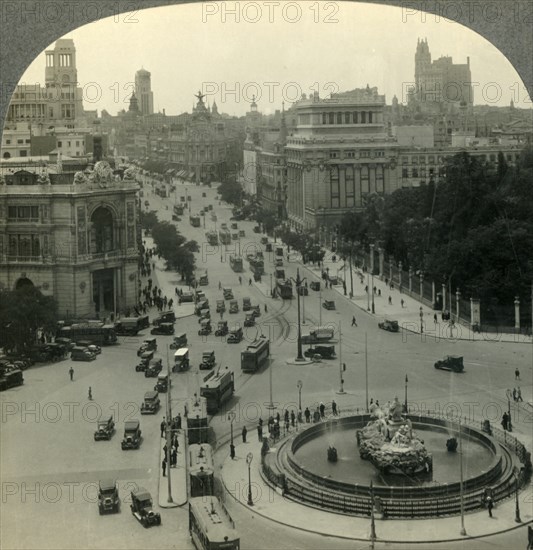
48,455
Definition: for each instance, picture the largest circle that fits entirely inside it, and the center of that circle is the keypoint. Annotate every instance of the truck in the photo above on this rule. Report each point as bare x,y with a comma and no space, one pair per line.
318,335
225,236
212,238
194,221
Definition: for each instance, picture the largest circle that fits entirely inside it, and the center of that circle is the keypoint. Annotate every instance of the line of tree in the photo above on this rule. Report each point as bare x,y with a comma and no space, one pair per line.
474,226
306,245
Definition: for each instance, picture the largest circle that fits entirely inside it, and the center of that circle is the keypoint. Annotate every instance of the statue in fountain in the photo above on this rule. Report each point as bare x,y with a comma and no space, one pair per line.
389,442
332,454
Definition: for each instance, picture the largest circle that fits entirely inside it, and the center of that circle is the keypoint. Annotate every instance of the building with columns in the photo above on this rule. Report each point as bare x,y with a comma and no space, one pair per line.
339,153
77,242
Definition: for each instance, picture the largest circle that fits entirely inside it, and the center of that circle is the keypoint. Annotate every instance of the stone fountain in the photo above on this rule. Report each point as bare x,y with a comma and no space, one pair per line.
389,443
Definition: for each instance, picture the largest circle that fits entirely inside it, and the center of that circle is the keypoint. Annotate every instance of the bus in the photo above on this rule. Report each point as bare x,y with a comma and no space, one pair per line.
235,263
194,221
284,289
130,326
210,525
217,388
255,355
103,335
201,470
257,266
196,412
212,238
225,236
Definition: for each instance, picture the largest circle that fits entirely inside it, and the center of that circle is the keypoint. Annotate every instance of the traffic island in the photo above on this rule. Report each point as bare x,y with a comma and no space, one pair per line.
297,361
178,476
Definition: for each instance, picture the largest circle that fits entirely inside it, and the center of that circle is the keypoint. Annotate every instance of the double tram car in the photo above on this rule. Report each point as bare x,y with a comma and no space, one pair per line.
217,387
284,289
210,525
201,470
196,412
235,263
255,355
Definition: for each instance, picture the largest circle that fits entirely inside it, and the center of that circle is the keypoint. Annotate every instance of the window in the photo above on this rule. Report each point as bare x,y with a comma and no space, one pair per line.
431,159
324,118
19,141
350,154
364,154
331,118
415,172
350,187
364,179
59,144
28,141
355,117
405,160
335,192
346,118
333,154
77,144
380,184
363,117
370,117
414,159
405,173
380,153
8,142
339,118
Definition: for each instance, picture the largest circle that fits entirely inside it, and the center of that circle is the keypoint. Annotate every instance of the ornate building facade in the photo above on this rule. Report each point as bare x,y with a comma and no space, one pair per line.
78,243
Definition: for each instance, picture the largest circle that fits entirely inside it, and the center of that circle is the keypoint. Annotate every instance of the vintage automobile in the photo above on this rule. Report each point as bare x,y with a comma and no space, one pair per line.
108,499
205,314
149,344
67,342
163,328
165,317
221,306
228,293
264,240
163,382
234,306
186,297
333,279
249,320
155,366
10,377
144,361
105,428
256,229
58,350
242,233
142,508
199,296
303,291
210,207
328,304
325,352
208,360
452,363
234,226
201,304
181,360
279,262
179,341
390,325
82,354
205,327
235,236
151,403
246,304
235,336
315,285
279,251
132,435
256,310
93,348
222,328
268,247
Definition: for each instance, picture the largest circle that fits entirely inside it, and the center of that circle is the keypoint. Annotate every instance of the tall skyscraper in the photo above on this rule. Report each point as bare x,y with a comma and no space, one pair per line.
143,91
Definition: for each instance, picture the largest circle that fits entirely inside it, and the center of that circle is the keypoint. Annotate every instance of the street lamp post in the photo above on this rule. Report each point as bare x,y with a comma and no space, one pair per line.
368,290
372,519
298,283
372,274
299,385
320,303
405,405
341,364
249,458
366,371
509,394
517,518
461,486
271,289
421,320
168,433
231,418
351,271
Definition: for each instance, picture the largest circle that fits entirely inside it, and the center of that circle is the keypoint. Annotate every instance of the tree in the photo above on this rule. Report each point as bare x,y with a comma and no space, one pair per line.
267,218
22,312
149,219
230,192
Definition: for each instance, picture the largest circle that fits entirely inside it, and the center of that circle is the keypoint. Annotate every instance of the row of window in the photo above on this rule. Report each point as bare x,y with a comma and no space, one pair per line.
25,245
23,213
432,159
353,117
369,153
19,141
350,184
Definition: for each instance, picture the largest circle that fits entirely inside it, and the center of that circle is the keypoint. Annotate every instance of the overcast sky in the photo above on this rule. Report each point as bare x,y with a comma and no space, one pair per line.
192,47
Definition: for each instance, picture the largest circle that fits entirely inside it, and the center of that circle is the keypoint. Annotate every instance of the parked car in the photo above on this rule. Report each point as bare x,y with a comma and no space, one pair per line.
256,310
144,361
165,317
205,327
221,306
186,297
163,382
132,435
268,247
179,341
222,328
264,240
328,304
208,360
108,499
249,320
149,344
390,325
155,366
82,354
452,363
303,291
105,428
228,293
151,403
142,508
163,328
315,285
93,348
279,262
242,233
234,226
325,352
246,304
205,314
10,377
235,336
181,360
202,304
234,306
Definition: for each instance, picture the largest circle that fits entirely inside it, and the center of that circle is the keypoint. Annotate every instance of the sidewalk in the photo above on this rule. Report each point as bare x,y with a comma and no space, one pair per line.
271,505
178,476
408,314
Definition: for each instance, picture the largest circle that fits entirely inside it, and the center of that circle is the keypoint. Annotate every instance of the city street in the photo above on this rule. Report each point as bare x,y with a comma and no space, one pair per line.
51,464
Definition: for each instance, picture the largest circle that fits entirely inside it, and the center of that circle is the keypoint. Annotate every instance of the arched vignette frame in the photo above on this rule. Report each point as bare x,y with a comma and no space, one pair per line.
507,24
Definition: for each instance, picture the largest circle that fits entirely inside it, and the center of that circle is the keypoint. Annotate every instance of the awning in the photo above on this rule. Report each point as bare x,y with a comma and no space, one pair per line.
181,173
191,175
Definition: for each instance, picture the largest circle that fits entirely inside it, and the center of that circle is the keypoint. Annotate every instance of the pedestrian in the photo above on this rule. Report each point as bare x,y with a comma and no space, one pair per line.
519,394
435,318
240,280
164,466
244,432
390,301
322,410
178,421
71,372
375,290
334,408
286,416
307,415
316,416
163,426
514,394
260,432
379,291
232,451
401,302
490,505
293,419
261,422
174,457
90,394
266,308
505,421
278,417
391,286
354,322
517,374
250,282
219,285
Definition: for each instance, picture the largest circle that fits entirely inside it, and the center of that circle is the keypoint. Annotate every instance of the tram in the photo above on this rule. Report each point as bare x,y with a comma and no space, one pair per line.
255,355
235,263
217,387
284,289
196,412
201,468
210,525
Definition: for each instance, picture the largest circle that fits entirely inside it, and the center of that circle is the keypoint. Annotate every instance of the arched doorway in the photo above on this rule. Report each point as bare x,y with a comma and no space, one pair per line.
102,235
23,282
7,155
